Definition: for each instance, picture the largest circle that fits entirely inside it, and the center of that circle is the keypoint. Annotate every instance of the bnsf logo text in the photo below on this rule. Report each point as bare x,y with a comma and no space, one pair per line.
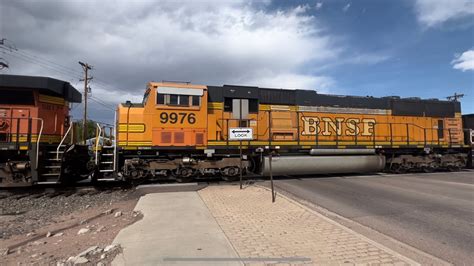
326,126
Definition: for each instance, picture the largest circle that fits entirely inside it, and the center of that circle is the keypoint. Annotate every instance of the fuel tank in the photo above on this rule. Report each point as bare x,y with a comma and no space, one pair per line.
304,165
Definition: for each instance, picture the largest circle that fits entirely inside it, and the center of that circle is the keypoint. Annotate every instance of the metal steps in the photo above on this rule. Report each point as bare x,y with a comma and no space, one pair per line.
106,171
50,171
106,159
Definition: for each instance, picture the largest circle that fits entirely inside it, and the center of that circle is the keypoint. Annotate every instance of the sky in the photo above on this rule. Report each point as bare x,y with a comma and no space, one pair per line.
407,48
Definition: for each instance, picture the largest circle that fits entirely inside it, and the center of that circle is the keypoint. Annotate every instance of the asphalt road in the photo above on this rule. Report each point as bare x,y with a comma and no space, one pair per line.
431,212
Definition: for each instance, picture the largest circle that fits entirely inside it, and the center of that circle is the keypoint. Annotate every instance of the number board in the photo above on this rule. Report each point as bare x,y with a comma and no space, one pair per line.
177,118
240,133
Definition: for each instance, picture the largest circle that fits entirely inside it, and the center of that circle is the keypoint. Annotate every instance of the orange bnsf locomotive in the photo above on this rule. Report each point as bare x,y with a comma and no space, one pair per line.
183,131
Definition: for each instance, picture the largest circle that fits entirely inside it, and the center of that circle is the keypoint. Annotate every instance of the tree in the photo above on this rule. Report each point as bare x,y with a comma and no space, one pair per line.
91,129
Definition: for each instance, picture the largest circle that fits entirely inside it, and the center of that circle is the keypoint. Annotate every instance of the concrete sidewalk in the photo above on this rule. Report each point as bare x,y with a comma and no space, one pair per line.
177,229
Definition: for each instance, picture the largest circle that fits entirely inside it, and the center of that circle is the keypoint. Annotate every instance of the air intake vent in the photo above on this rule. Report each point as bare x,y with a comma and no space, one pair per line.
179,137
199,139
165,137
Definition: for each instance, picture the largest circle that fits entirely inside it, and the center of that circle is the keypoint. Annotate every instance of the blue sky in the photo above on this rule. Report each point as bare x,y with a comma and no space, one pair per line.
409,48
415,59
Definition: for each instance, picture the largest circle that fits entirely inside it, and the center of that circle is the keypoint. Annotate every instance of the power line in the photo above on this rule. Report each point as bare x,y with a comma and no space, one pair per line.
51,65
30,60
39,59
56,67
102,103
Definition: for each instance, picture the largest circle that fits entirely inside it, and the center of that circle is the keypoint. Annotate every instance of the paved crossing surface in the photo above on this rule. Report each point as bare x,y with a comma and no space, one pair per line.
271,232
431,212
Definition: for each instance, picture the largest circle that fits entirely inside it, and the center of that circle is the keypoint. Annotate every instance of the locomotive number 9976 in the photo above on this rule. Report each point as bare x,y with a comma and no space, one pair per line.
180,118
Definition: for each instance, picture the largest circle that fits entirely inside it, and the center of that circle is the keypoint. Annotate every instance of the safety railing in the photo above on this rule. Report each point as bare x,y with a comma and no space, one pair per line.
38,139
12,129
64,138
380,133
101,138
97,140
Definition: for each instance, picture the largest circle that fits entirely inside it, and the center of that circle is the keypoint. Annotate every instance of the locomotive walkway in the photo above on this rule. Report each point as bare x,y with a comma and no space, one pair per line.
223,225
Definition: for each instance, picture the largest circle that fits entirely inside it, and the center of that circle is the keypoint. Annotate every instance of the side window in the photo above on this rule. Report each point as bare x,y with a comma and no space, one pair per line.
440,129
227,105
160,98
196,101
253,106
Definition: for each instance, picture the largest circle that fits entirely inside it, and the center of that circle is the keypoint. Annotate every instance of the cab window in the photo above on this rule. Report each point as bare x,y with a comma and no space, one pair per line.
173,99
196,101
183,100
178,100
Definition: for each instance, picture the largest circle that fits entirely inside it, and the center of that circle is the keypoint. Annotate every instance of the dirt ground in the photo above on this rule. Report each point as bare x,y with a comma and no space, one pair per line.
44,228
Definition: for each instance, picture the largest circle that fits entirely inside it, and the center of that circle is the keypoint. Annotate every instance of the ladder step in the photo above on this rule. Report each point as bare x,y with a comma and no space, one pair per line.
55,152
56,160
51,174
106,179
52,166
107,147
107,154
47,183
106,162
106,171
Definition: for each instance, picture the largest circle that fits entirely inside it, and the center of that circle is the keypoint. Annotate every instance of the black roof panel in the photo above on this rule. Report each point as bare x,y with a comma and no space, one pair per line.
400,106
44,84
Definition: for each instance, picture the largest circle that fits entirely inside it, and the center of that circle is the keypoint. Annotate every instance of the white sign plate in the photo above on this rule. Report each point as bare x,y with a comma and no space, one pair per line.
240,133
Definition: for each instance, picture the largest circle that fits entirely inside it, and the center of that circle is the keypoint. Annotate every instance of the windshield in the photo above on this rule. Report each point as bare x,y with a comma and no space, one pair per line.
145,97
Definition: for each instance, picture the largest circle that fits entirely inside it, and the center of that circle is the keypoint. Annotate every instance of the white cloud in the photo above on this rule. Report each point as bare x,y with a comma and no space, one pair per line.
432,13
319,5
346,7
205,42
465,61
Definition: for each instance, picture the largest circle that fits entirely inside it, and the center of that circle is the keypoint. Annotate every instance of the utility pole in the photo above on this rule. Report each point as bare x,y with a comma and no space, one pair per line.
455,97
86,67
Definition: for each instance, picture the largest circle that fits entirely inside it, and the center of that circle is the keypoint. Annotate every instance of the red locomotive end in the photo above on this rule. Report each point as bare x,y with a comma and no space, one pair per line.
34,118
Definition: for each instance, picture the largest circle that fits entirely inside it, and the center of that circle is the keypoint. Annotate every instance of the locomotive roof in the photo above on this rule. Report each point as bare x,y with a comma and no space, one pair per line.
45,85
398,106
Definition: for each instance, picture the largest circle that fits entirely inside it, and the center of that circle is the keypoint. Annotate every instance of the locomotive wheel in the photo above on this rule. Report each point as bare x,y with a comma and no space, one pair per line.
184,175
398,169
230,173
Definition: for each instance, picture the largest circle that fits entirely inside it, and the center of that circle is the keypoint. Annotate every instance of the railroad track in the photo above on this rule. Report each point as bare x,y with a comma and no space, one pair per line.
52,191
